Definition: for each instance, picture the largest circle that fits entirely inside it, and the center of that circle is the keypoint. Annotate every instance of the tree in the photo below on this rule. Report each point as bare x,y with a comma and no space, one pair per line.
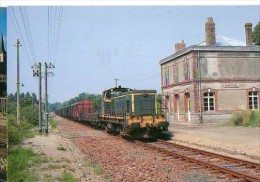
256,34
11,98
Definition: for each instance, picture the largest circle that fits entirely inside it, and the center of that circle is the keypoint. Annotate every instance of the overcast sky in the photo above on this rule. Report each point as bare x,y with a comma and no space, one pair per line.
98,44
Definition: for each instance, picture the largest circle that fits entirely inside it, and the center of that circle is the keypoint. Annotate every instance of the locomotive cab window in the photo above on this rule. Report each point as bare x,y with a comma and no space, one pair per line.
108,95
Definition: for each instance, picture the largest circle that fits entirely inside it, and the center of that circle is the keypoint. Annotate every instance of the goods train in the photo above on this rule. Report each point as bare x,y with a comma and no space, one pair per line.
132,113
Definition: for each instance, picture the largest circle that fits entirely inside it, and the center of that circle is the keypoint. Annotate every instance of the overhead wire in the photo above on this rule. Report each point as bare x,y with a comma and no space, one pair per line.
56,44
19,34
27,33
30,32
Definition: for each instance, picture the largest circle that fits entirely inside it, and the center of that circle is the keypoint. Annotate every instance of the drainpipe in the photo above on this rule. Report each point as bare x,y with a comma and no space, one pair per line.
200,99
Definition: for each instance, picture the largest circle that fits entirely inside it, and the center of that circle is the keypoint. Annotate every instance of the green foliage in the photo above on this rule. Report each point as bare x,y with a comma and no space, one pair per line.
95,98
246,118
256,34
53,123
96,168
11,107
19,162
61,148
237,119
254,119
28,108
67,177
55,106
30,114
16,133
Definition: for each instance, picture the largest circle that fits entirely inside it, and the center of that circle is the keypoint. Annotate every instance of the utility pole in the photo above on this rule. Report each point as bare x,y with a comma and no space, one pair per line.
37,72
18,83
43,125
40,97
46,74
116,79
46,97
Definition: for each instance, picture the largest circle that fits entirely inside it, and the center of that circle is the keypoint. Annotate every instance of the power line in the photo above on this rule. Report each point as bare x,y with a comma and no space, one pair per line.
30,32
27,33
58,33
18,32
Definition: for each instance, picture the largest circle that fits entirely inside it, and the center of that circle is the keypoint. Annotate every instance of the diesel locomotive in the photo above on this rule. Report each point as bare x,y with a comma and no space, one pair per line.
132,113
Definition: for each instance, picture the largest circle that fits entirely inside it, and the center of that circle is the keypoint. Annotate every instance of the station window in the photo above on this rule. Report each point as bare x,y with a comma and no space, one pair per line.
253,100
209,101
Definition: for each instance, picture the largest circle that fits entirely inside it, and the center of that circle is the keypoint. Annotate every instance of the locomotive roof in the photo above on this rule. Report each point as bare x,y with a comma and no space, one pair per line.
119,89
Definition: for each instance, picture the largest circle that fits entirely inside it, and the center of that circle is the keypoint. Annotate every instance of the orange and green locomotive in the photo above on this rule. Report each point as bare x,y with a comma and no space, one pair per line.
133,113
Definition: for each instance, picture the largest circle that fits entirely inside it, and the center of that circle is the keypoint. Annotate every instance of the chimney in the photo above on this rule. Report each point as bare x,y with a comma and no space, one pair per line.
249,37
180,46
210,32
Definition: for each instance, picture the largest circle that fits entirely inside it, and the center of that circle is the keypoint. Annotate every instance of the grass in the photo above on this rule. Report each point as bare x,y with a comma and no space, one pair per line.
67,177
246,118
98,170
20,160
61,148
53,123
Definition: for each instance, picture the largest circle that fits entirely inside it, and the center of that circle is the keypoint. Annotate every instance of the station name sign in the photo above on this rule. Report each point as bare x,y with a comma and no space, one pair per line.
231,85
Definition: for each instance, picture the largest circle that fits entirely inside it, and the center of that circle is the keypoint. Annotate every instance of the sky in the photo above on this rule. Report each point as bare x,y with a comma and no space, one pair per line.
98,44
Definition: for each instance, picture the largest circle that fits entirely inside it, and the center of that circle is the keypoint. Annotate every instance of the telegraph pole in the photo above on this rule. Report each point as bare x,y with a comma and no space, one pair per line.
43,124
18,83
50,66
37,72
46,97
116,79
40,97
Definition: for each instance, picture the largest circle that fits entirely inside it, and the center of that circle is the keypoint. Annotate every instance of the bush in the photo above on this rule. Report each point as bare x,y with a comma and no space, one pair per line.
30,114
246,118
237,119
254,119
16,133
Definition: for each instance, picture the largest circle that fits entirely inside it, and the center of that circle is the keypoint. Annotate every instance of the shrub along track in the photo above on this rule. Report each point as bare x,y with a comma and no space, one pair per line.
232,167
122,160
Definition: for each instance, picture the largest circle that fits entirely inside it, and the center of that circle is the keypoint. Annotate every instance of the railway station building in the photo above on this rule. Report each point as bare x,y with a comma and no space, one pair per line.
209,81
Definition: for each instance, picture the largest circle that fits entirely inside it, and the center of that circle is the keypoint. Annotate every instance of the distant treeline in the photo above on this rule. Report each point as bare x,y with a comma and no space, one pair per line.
95,98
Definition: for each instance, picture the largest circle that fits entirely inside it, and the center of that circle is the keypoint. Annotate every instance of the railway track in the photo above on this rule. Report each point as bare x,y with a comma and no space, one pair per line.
232,167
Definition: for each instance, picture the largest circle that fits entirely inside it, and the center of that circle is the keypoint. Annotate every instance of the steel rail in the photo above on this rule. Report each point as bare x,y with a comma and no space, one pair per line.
203,163
240,161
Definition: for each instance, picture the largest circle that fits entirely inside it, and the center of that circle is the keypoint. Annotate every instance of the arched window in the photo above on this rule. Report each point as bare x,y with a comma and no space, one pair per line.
253,100
209,101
